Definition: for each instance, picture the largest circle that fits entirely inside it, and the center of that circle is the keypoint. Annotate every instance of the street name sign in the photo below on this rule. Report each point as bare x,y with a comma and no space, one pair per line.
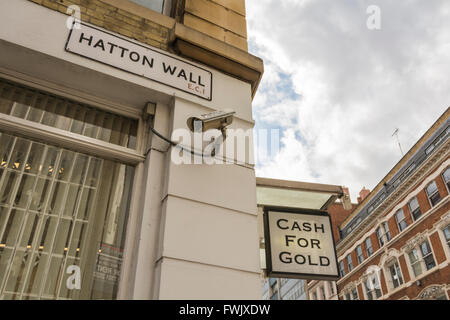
121,53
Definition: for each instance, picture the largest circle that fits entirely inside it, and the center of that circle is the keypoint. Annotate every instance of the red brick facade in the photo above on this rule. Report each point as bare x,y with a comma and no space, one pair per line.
433,279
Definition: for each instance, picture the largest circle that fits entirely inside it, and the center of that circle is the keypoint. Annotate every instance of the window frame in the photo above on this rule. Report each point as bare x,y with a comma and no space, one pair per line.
447,183
349,262
359,254
342,268
371,276
382,233
165,10
420,261
86,145
413,212
430,196
444,234
403,220
355,290
398,272
369,249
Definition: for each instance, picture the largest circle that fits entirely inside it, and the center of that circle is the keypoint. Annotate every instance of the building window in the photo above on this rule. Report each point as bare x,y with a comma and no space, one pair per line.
401,220
59,209
414,208
369,248
359,254
355,294
331,287
383,233
421,258
70,116
446,177
395,274
372,287
349,262
446,232
433,193
342,268
156,5
322,291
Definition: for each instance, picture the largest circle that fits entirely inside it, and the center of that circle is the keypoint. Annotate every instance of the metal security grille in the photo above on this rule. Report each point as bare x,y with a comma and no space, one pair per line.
45,206
32,105
59,208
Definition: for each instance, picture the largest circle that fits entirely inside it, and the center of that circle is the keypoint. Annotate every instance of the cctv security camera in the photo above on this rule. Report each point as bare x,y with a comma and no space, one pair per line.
214,120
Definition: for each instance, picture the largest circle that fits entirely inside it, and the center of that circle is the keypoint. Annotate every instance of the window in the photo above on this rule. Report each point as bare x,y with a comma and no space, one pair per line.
383,233
296,292
349,262
352,295
421,258
342,268
372,287
446,177
156,5
331,287
369,249
414,208
60,208
70,116
322,292
395,274
359,254
433,193
401,220
446,232
355,294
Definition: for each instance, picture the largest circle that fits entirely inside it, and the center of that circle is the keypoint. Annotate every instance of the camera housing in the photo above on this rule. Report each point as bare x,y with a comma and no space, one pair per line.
215,120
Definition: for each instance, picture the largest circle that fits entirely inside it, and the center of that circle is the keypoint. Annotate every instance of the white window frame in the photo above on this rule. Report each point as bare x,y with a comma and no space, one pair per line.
412,211
421,259
400,229
394,262
445,241
382,238
443,178
359,255
373,290
431,195
371,247
341,265
355,289
349,259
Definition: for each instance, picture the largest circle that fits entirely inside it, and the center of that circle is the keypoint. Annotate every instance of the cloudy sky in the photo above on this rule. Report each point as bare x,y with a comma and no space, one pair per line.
337,90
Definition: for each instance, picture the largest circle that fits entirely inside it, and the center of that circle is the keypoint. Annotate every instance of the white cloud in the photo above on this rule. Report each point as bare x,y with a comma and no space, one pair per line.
339,89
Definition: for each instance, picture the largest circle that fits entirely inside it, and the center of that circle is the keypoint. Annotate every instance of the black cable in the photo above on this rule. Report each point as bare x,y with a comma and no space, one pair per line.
175,145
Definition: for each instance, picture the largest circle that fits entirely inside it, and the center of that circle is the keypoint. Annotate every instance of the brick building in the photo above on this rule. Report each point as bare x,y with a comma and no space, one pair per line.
396,243
327,290
92,205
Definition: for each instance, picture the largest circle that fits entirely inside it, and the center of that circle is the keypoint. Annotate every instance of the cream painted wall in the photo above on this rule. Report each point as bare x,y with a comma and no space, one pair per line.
193,228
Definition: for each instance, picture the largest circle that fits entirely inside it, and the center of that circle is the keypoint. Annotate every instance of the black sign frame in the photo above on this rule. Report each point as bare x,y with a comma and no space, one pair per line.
292,275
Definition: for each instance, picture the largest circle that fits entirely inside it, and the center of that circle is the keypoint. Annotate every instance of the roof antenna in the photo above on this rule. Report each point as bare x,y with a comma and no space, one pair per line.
398,140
